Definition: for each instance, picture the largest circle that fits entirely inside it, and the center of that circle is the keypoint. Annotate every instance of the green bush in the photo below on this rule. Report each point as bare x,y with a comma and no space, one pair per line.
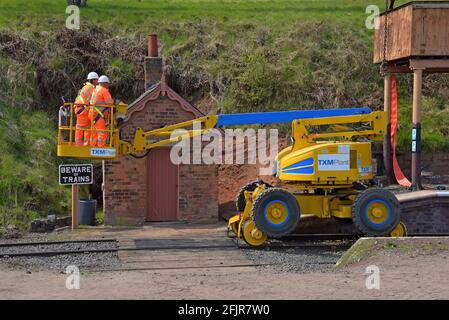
16,218
28,167
99,217
434,124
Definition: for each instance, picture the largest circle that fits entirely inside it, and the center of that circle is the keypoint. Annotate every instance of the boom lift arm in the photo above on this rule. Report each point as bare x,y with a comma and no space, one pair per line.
300,120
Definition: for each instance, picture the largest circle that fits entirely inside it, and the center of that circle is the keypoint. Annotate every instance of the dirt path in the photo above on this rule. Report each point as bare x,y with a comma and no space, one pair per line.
413,279
406,272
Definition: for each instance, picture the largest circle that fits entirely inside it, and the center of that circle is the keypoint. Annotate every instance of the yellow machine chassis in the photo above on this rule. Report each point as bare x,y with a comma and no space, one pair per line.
328,205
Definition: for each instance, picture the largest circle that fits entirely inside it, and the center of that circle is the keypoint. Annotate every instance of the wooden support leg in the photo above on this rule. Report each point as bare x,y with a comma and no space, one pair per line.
75,203
416,133
388,164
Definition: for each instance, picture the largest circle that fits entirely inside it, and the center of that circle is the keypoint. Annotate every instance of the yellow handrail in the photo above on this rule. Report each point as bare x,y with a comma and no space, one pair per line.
72,124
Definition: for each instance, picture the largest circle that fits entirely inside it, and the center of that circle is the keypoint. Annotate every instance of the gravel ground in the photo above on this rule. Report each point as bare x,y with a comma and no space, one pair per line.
404,274
74,246
297,260
84,261
28,237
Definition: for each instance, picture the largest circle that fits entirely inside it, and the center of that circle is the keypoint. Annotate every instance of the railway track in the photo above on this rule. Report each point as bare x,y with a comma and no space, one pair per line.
23,244
309,241
330,242
186,267
54,248
47,248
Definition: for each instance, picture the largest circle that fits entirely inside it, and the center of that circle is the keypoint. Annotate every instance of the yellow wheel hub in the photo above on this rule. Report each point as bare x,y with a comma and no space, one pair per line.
399,231
253,236
276,213
377,212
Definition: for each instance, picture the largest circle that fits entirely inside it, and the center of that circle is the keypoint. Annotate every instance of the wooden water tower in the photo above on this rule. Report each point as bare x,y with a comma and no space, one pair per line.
414,39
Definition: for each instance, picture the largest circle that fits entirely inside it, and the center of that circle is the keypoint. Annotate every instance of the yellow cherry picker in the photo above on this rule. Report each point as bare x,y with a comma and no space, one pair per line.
328,165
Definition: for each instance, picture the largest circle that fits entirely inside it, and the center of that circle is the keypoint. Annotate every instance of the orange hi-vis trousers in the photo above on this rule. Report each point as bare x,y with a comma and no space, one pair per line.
82,132
99,138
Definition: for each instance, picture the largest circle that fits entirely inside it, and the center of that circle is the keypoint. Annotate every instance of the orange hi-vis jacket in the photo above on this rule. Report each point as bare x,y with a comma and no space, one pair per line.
98,114
82,133
81,106
100,101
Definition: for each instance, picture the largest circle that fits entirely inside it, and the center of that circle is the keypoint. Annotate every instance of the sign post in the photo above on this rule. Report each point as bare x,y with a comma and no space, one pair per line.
75,202
74,175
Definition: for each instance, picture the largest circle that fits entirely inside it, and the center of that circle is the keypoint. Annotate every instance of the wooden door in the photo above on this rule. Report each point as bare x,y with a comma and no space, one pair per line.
162,186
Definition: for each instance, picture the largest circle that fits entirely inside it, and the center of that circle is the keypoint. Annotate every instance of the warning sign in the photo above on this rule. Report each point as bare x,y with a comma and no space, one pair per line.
75,174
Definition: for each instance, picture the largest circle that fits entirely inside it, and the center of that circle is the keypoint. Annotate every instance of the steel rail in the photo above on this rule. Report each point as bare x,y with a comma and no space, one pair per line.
302,241
23,244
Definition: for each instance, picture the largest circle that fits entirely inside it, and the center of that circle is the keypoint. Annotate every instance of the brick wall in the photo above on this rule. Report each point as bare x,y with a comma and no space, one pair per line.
435,166
233,177
125,180
198,193
426,215
420,216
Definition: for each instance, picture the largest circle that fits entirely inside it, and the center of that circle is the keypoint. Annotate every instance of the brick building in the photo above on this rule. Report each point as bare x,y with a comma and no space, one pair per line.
152,188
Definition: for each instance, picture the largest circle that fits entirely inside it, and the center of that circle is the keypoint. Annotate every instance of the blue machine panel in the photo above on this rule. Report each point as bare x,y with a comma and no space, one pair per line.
301,167
285,116
303,163
304,170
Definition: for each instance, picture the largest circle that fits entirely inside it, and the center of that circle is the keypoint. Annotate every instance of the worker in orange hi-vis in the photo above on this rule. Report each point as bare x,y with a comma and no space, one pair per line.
82,133
99,112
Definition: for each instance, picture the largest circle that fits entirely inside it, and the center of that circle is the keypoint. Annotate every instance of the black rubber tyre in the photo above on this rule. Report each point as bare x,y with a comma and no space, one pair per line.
240,201
360,212
263,200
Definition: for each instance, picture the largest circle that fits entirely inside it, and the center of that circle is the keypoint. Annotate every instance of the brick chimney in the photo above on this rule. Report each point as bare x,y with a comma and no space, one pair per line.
153,63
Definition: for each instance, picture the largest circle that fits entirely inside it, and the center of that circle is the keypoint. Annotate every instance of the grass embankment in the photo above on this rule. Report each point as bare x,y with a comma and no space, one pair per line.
369,248
138,15
238,56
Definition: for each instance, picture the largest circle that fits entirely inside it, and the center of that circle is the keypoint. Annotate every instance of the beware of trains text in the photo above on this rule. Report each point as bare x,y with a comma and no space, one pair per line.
75,174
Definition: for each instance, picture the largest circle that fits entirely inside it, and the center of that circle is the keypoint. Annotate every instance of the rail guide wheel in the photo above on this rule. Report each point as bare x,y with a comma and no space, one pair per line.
376,212
400,230
235,228
252,235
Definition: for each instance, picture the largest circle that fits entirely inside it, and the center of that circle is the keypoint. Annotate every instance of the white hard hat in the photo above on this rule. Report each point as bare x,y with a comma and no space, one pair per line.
92,75
103,79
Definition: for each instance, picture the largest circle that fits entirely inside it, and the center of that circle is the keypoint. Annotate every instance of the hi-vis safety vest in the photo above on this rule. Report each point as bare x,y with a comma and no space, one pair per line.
101,98
84,98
